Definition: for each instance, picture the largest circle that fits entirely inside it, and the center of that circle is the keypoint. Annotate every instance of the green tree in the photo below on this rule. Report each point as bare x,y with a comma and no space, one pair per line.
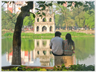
60,20
80,19
64,11
8,20
56,20
90,19
29,20
71,22
79,16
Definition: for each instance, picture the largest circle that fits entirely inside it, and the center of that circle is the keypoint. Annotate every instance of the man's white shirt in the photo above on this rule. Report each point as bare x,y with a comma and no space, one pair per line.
57,45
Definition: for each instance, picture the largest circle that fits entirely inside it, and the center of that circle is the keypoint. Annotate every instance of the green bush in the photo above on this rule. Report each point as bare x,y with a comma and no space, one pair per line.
78,67
8,34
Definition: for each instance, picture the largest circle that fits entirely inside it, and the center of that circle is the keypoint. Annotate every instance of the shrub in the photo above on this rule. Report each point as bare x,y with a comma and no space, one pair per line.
78,67
8,34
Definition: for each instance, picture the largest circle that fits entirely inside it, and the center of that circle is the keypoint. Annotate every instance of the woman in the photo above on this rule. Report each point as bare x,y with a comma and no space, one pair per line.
69,45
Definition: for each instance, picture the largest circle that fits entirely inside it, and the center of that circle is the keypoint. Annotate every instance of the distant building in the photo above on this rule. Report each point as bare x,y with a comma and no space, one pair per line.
16,6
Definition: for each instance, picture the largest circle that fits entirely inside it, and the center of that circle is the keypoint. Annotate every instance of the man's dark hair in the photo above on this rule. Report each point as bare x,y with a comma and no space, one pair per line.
57,33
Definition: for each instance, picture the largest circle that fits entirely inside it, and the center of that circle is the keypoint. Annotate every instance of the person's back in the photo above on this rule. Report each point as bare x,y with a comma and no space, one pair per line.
68,45
56,44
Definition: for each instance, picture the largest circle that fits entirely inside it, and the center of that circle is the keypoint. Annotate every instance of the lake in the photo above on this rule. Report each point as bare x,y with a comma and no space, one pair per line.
36,52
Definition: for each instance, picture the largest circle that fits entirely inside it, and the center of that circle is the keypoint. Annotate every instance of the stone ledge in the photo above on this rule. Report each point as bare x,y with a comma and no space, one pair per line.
9,67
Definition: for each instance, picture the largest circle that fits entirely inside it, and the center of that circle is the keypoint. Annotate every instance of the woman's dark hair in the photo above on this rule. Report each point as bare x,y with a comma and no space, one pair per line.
68,37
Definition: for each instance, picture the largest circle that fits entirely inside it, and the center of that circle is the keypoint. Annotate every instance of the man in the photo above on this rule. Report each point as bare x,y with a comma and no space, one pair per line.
56,44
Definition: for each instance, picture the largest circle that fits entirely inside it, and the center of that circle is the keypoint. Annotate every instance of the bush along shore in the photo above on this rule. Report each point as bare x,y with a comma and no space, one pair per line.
48,35
78,67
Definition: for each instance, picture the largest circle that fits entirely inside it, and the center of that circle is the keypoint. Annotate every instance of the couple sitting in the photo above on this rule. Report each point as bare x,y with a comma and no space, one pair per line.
62,47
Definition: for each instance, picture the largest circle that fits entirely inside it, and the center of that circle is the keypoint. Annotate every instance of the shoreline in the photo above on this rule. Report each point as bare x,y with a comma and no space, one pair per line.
61,30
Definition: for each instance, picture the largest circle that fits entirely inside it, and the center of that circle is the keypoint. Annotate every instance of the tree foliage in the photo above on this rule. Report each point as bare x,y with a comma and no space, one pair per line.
90,19
29,20
75,16
8,20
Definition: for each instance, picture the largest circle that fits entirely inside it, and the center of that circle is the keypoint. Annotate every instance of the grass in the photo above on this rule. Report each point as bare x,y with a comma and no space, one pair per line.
47,34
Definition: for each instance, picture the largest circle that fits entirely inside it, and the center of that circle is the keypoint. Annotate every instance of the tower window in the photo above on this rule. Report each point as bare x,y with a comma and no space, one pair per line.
50,20
37,19
44,19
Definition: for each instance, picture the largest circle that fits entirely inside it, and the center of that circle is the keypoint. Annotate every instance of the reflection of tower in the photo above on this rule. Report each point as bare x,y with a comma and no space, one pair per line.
43,51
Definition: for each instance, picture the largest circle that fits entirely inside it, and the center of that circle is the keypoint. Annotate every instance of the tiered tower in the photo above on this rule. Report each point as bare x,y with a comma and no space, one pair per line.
45,24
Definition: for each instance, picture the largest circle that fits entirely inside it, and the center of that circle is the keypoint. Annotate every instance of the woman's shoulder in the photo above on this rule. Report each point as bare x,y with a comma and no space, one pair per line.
65,40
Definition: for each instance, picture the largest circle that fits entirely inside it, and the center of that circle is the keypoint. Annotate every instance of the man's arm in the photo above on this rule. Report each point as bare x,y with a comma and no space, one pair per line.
63,45
50,45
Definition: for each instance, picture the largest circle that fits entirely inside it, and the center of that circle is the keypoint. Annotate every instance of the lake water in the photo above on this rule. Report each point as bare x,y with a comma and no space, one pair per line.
38,53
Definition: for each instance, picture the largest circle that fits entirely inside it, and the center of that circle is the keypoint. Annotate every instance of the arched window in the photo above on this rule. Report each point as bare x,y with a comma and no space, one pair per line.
44,43
44,28
44,52
44,19
37,28
50,28
50,52
38,52
50,20
37,43
37,19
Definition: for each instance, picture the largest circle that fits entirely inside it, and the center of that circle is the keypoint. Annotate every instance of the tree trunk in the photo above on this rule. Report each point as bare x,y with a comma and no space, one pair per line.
16,58
66,25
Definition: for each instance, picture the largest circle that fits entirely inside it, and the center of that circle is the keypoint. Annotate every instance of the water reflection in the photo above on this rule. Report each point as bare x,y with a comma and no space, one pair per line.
38,53
43,51
26,57
67,60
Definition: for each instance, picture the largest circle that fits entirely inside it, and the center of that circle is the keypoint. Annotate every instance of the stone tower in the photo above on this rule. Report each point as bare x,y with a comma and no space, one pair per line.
45,24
